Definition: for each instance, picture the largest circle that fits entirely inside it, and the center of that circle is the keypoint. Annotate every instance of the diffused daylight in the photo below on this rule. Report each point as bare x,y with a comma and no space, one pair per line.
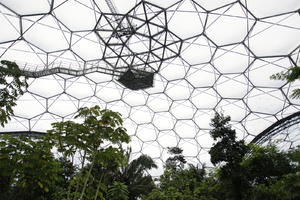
168,67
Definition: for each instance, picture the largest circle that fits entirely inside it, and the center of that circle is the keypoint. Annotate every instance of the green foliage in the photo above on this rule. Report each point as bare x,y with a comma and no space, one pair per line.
12,84
134,175
245,172
177,182
86,169
209,189
85,142
287,188
118,191
175,162
272,174
29,170
227,149
24,164
98,126
265,165
291,75
228,152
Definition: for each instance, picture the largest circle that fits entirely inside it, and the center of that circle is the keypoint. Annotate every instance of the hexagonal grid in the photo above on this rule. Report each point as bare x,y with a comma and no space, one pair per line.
208,56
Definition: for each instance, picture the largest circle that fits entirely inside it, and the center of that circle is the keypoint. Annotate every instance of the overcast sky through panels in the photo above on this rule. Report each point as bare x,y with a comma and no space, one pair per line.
206,56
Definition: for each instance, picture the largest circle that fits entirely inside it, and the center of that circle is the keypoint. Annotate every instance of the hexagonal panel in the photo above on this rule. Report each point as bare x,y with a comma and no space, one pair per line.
109,91
258,99
159,102
233,86
146,133
28,7
206,98
228,25
40,86
87,40
174,70
274,37
186,12
80,88
85,21
30,106
141,114
178,90
186,129
46,33
197,50
62,101
183,109
136,98
167,139
202,75
224,57
236,109
164,121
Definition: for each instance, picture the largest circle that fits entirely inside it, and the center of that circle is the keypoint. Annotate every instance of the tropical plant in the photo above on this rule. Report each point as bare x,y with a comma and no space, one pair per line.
272,174
28,168
242,172
84,143
228,152
177,181
12,85
291,75
118,191
134,175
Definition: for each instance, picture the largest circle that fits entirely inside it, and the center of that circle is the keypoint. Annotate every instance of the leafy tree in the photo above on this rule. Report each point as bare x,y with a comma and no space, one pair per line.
176,162
177,182
287,188
12,84
210,188
265,165
84,143
134,175
28,169
98,126
243,172
291,75
227,150
251,171
182,185
118,191
229,153
272,174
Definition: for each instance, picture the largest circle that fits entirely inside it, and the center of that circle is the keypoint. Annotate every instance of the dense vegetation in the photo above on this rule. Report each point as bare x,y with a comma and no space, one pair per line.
242,171
86,160
89,163
12,84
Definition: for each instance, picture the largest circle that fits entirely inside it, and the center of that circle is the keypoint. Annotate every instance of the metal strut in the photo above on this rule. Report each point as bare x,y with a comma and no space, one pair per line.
123,28
111,6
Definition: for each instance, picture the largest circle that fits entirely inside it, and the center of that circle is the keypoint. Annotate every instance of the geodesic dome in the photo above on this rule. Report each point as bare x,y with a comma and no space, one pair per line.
284,133
203,56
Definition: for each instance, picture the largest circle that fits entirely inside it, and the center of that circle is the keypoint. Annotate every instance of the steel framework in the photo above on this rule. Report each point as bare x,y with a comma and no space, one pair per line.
285,130
204,56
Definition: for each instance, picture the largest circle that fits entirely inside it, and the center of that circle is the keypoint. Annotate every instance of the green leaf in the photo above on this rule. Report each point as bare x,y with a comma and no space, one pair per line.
40,184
